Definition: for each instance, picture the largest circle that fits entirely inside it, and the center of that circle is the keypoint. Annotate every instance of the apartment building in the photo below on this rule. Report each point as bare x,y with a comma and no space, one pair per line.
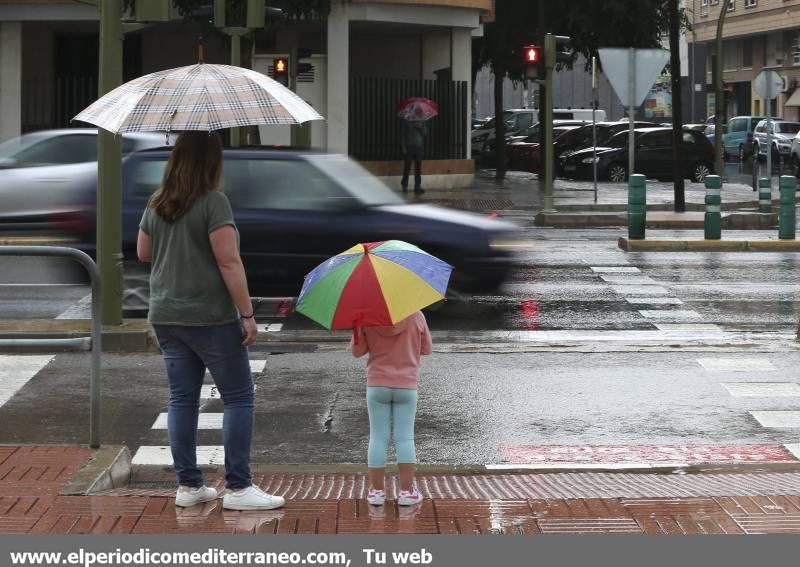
757,34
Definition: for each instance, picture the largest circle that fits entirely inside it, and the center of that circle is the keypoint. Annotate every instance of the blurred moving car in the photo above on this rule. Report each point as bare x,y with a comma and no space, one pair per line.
293,210
783,132
38,169
738,137
653,157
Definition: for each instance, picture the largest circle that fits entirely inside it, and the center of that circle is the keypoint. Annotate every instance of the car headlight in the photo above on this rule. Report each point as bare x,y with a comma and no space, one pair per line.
590,160
509,243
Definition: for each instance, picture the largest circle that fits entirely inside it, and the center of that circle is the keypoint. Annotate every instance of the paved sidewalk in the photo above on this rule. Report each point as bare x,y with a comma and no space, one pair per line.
750,503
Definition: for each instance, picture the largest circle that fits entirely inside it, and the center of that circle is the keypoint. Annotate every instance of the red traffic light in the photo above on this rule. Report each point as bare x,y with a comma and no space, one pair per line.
532,55
281,66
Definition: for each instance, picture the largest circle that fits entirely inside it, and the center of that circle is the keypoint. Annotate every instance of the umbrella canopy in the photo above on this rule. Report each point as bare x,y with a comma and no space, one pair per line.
373,284
417,109
198,97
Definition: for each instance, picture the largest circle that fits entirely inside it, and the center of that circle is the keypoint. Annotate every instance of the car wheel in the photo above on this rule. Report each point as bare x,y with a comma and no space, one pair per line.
617,173
700,171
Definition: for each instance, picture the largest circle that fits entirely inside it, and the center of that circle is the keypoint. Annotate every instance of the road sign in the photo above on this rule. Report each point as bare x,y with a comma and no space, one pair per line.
647,67
769,83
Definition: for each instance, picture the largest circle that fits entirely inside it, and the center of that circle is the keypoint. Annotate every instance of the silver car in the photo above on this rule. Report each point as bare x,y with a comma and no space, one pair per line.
39,169
783,132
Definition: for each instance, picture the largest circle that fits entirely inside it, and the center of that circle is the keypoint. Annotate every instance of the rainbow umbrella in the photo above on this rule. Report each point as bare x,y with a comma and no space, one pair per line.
373,284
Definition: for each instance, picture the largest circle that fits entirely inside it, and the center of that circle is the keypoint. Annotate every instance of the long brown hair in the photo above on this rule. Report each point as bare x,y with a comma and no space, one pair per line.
193,170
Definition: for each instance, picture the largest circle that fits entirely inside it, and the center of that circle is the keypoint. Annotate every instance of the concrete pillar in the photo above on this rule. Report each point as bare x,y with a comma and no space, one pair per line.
435,53
338,76
461,66
10,80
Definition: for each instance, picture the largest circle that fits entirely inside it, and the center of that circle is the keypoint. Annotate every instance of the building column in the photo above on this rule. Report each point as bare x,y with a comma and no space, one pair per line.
10,80
461,68
338,77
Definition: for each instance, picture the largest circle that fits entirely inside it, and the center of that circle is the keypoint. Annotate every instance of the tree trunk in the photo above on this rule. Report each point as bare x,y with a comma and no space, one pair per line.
678,168
499,124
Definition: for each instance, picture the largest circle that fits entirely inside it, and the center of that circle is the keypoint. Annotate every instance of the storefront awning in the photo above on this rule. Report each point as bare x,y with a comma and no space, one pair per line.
794,100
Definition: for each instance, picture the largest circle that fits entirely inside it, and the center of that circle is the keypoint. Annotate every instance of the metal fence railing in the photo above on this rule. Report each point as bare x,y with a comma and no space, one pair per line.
375,129
92,343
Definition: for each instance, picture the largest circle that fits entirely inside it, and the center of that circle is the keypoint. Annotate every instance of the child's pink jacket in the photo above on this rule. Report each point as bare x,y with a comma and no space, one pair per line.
394,352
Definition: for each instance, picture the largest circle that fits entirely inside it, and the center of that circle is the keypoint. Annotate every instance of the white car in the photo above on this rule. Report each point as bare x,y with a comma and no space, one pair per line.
39,169
783,132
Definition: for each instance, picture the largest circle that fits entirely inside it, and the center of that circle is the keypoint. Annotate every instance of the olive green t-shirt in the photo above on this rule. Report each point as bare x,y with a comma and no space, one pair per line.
186,286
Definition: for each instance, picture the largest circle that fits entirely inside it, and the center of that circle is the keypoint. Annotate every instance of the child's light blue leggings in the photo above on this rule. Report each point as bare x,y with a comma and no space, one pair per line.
383,405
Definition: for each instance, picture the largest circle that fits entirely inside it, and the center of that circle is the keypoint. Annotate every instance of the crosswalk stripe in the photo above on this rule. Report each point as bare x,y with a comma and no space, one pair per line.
615,269
778,419
162,456
671,314
640,290
211,392
17,370
270,328
205,421
762,389
632,279
256,367
736,364
654,300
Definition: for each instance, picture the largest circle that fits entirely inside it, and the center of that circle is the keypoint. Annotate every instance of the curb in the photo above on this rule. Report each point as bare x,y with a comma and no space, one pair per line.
709,245
109,468
739,220
134,335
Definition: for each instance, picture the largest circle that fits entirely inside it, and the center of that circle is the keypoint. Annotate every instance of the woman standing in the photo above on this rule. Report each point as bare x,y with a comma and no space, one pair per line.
202,315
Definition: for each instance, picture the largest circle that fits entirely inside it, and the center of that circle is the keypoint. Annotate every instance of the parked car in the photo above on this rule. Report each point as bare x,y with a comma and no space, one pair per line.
583,137
738,138
653,157
783,132
583,114
38,169
525,155
488,157
516,120
478,123
294,210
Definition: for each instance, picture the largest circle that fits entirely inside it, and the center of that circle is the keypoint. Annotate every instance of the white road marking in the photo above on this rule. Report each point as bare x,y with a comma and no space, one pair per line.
794,449
256,367
762,389
205,421
17,370
654,300
632,279
271,328
778,419
671,315
694,327
81,309
211,392
616,269
640,290
585,466
736,364
162,456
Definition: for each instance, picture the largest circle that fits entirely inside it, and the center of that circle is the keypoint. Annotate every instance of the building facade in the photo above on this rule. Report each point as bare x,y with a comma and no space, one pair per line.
757,34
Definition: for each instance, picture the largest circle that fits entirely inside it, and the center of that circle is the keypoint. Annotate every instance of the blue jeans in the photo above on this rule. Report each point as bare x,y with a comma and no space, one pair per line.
387,406
188,351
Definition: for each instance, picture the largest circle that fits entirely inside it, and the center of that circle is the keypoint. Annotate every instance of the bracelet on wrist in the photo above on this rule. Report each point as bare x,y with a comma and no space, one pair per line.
253,314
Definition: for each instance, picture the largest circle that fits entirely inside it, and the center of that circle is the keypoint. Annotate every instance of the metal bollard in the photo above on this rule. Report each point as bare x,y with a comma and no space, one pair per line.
637,206
713,219
764,195
786,215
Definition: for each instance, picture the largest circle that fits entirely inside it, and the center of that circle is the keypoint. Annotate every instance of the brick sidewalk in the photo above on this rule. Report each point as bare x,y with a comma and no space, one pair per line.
31,477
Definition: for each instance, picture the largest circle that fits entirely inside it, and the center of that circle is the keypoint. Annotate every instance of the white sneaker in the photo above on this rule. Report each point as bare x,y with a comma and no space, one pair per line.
409,497
251,498
188,496
376,497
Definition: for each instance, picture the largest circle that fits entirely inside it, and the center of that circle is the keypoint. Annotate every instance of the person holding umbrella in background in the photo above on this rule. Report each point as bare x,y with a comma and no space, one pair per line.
415,113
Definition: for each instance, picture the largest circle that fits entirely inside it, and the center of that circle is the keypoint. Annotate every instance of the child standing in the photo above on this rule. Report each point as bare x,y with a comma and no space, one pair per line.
392,374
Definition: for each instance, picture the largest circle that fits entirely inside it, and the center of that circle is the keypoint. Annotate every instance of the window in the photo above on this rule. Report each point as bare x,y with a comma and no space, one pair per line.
524,120
747,54
731,5
657,140
750,3
738,125
730,55
796,50
146,177
59,150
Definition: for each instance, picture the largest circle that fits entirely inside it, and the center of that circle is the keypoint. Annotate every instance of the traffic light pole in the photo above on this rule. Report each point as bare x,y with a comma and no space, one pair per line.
301,133
236,60
109,170
548,162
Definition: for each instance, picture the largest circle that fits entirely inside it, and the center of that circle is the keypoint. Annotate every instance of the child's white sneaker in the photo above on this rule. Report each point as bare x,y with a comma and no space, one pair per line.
376,497
409,497
251,498
188,496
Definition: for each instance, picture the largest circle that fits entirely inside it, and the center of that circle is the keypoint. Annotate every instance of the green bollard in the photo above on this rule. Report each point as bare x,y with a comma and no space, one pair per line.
713,219
786,216
764,195
637,206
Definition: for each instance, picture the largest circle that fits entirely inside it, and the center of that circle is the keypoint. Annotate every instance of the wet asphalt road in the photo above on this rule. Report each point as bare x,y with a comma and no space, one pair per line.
310,405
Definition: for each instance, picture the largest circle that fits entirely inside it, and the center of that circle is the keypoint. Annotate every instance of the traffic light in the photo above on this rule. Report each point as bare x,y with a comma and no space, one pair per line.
562,51
153,10
280,70
532,57
256,13
301,67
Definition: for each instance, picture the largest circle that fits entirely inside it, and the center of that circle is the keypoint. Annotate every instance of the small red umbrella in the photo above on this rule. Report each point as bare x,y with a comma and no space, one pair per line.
417,109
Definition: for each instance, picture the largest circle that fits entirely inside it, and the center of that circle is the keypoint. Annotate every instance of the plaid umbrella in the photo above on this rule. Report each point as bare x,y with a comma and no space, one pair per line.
197,97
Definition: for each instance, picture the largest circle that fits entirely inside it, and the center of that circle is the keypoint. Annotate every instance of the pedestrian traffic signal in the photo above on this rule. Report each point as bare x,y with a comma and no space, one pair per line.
280,70
532,58
563,49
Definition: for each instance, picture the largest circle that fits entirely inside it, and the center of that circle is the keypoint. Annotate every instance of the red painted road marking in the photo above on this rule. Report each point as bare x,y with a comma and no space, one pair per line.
652,454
